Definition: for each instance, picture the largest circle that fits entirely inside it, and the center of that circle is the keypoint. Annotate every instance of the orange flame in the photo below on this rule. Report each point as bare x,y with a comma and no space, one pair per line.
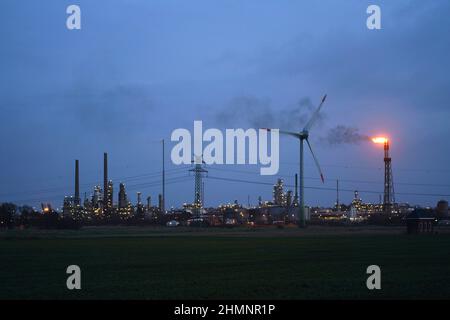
380,139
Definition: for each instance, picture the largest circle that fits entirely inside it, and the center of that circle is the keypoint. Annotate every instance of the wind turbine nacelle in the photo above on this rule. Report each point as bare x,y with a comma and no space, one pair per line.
304,134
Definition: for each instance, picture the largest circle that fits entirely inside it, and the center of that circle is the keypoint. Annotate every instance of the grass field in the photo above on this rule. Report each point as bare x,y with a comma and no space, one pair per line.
158,263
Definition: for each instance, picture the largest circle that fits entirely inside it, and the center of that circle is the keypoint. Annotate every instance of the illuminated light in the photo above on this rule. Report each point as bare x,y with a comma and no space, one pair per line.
380,140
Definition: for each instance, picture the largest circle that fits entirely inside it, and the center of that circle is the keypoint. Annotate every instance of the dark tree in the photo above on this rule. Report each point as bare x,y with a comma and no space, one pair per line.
7,212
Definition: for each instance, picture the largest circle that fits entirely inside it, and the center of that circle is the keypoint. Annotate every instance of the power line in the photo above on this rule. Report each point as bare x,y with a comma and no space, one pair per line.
93,183
340,179
179,179
133,187
327,189
371,168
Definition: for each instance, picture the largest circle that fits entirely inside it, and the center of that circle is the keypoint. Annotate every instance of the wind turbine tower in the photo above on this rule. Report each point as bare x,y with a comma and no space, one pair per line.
304,136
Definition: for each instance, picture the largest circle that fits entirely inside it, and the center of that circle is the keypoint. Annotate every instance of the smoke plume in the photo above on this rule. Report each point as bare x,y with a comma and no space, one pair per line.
259,113
344,135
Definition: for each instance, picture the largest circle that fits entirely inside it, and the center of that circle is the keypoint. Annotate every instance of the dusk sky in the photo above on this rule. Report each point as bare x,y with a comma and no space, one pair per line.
139,69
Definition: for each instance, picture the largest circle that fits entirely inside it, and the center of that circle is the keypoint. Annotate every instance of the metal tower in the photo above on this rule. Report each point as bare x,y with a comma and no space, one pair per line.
199,171
389,197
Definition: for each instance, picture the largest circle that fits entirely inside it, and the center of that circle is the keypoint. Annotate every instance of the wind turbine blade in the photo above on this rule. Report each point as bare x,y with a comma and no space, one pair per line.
315,115
295,134
316,161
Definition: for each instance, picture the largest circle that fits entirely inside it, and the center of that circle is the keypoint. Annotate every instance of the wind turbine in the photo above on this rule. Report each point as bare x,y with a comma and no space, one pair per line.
302,136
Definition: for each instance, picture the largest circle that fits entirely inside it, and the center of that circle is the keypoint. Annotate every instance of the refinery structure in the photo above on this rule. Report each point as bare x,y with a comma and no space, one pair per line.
107,206
101,207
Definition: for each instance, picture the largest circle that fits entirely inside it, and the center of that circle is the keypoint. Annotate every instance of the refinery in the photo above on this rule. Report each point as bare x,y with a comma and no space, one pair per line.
283,210
286,208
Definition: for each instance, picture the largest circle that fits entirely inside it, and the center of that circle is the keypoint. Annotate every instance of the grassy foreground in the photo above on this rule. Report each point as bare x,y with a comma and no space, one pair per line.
220,264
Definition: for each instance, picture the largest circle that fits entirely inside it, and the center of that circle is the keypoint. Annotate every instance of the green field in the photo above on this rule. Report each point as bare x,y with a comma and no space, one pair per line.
158,263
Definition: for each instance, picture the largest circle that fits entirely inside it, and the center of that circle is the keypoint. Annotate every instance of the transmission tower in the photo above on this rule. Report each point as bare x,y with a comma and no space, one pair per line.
199,172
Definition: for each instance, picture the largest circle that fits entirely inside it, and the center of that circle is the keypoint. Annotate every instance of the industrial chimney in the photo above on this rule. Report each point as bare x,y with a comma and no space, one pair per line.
77,183
105,181
149,202
139,198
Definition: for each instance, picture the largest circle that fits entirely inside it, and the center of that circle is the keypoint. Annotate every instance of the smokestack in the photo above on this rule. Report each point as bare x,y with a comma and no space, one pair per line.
77,183
149,202
139,198
105,181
